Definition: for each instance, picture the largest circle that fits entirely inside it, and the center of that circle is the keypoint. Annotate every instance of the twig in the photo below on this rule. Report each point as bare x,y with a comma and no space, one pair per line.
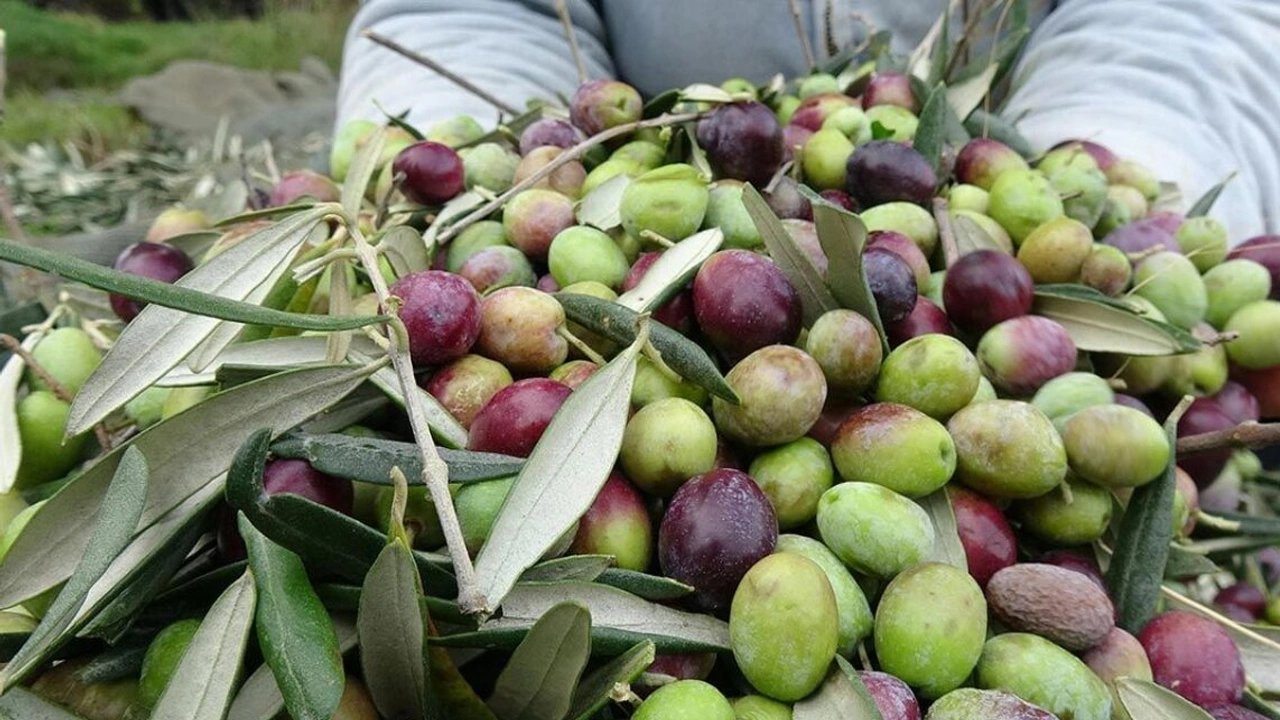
562,9
942,214
435,474
804,37
59,390
436,67
1252,435
568,155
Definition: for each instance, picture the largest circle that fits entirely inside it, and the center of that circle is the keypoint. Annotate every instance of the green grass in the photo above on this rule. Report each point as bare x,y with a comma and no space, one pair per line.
91,119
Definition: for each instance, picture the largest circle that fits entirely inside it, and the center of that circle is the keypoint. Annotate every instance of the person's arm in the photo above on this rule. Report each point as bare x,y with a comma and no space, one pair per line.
1185,87
513,49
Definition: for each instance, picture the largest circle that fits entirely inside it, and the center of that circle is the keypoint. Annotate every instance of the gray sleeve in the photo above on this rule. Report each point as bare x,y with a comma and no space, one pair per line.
514,49
1186,87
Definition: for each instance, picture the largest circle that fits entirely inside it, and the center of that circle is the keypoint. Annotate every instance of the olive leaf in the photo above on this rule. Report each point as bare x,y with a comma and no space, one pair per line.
570,567
672,271
620,324
619,620
160,337
947,547
1246,524
1145,700
844,237
596,689
981,123
187,454
294,631
270,213
1259,653
562,476
970,237
601,208
1260,705
259,698
649,587
538,682
403,247
444,427
203,682
10,440
361,171
370,459
931,133
1146,529
20,703
1183,563
1206,201
1232,545
393,635
705,93
815,298
114,663
114,526
1097,323
661,103
966,95
278,353
452,210
837,697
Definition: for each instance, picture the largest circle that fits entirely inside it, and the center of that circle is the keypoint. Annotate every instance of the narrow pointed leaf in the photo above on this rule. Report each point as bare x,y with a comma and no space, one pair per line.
259,697
159,337
202,684
112,530
404,249
570,567
393,635
843,237
970,236
672,271
294,630
539,680
188,455
10,441
1259,650
279,353
601,207
931,134
815,298
1137,567
1260,705
595,690
620,324
649,587
370,459
966,95
1206,201
946,544
1097,323
360,173
451,212
1145,700
561,478
21,704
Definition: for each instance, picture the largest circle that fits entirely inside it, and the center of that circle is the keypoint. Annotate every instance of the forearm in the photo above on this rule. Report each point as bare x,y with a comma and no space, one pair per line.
1182,86
514,49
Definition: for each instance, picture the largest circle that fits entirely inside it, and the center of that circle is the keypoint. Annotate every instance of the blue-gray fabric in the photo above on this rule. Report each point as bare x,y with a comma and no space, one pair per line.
1187,87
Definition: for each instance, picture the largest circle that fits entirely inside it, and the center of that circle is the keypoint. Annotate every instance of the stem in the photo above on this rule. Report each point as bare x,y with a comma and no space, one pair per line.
800,33
1217,523
569,155
1250,435
942,214
562,9
439,69
656,239
581,346
435,474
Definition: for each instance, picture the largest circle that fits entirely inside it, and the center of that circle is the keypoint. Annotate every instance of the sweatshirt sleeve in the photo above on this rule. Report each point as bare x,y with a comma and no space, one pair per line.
1185,87
513,49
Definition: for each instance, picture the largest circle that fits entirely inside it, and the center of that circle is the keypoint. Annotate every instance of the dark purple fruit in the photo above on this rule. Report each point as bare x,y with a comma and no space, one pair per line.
1234,712
1247,599
433,172
676,313
156,261
716,527
892,283
598,105
786,201
1204,415
893,698
890,88
513,421
884,171
988,541
743,302
549,131
295,477
840,199
905,248
1194,657
743,141
441,312
924,319
1140,236
985,288
1237,402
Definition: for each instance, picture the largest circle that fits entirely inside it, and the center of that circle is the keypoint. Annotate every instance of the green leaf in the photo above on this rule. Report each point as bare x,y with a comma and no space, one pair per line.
294,631
1248,524
21,704
940,55
1260,705
1137,567
271,354
444,427
1145,700
259,697
1206,201
404,248
837,697
880,132
1232,545
539,680
843,237
672,271
946,538
202,684
452,211
1259,652
114,663
815,298
561,478
360,173
649,587
596,689
322,537
1097,323
187,454
370,460
661,103
601,208
1183,564
270,213
966,95
970,236
619,620
114,527
570,567
931,133
393,635
620,325
981,123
